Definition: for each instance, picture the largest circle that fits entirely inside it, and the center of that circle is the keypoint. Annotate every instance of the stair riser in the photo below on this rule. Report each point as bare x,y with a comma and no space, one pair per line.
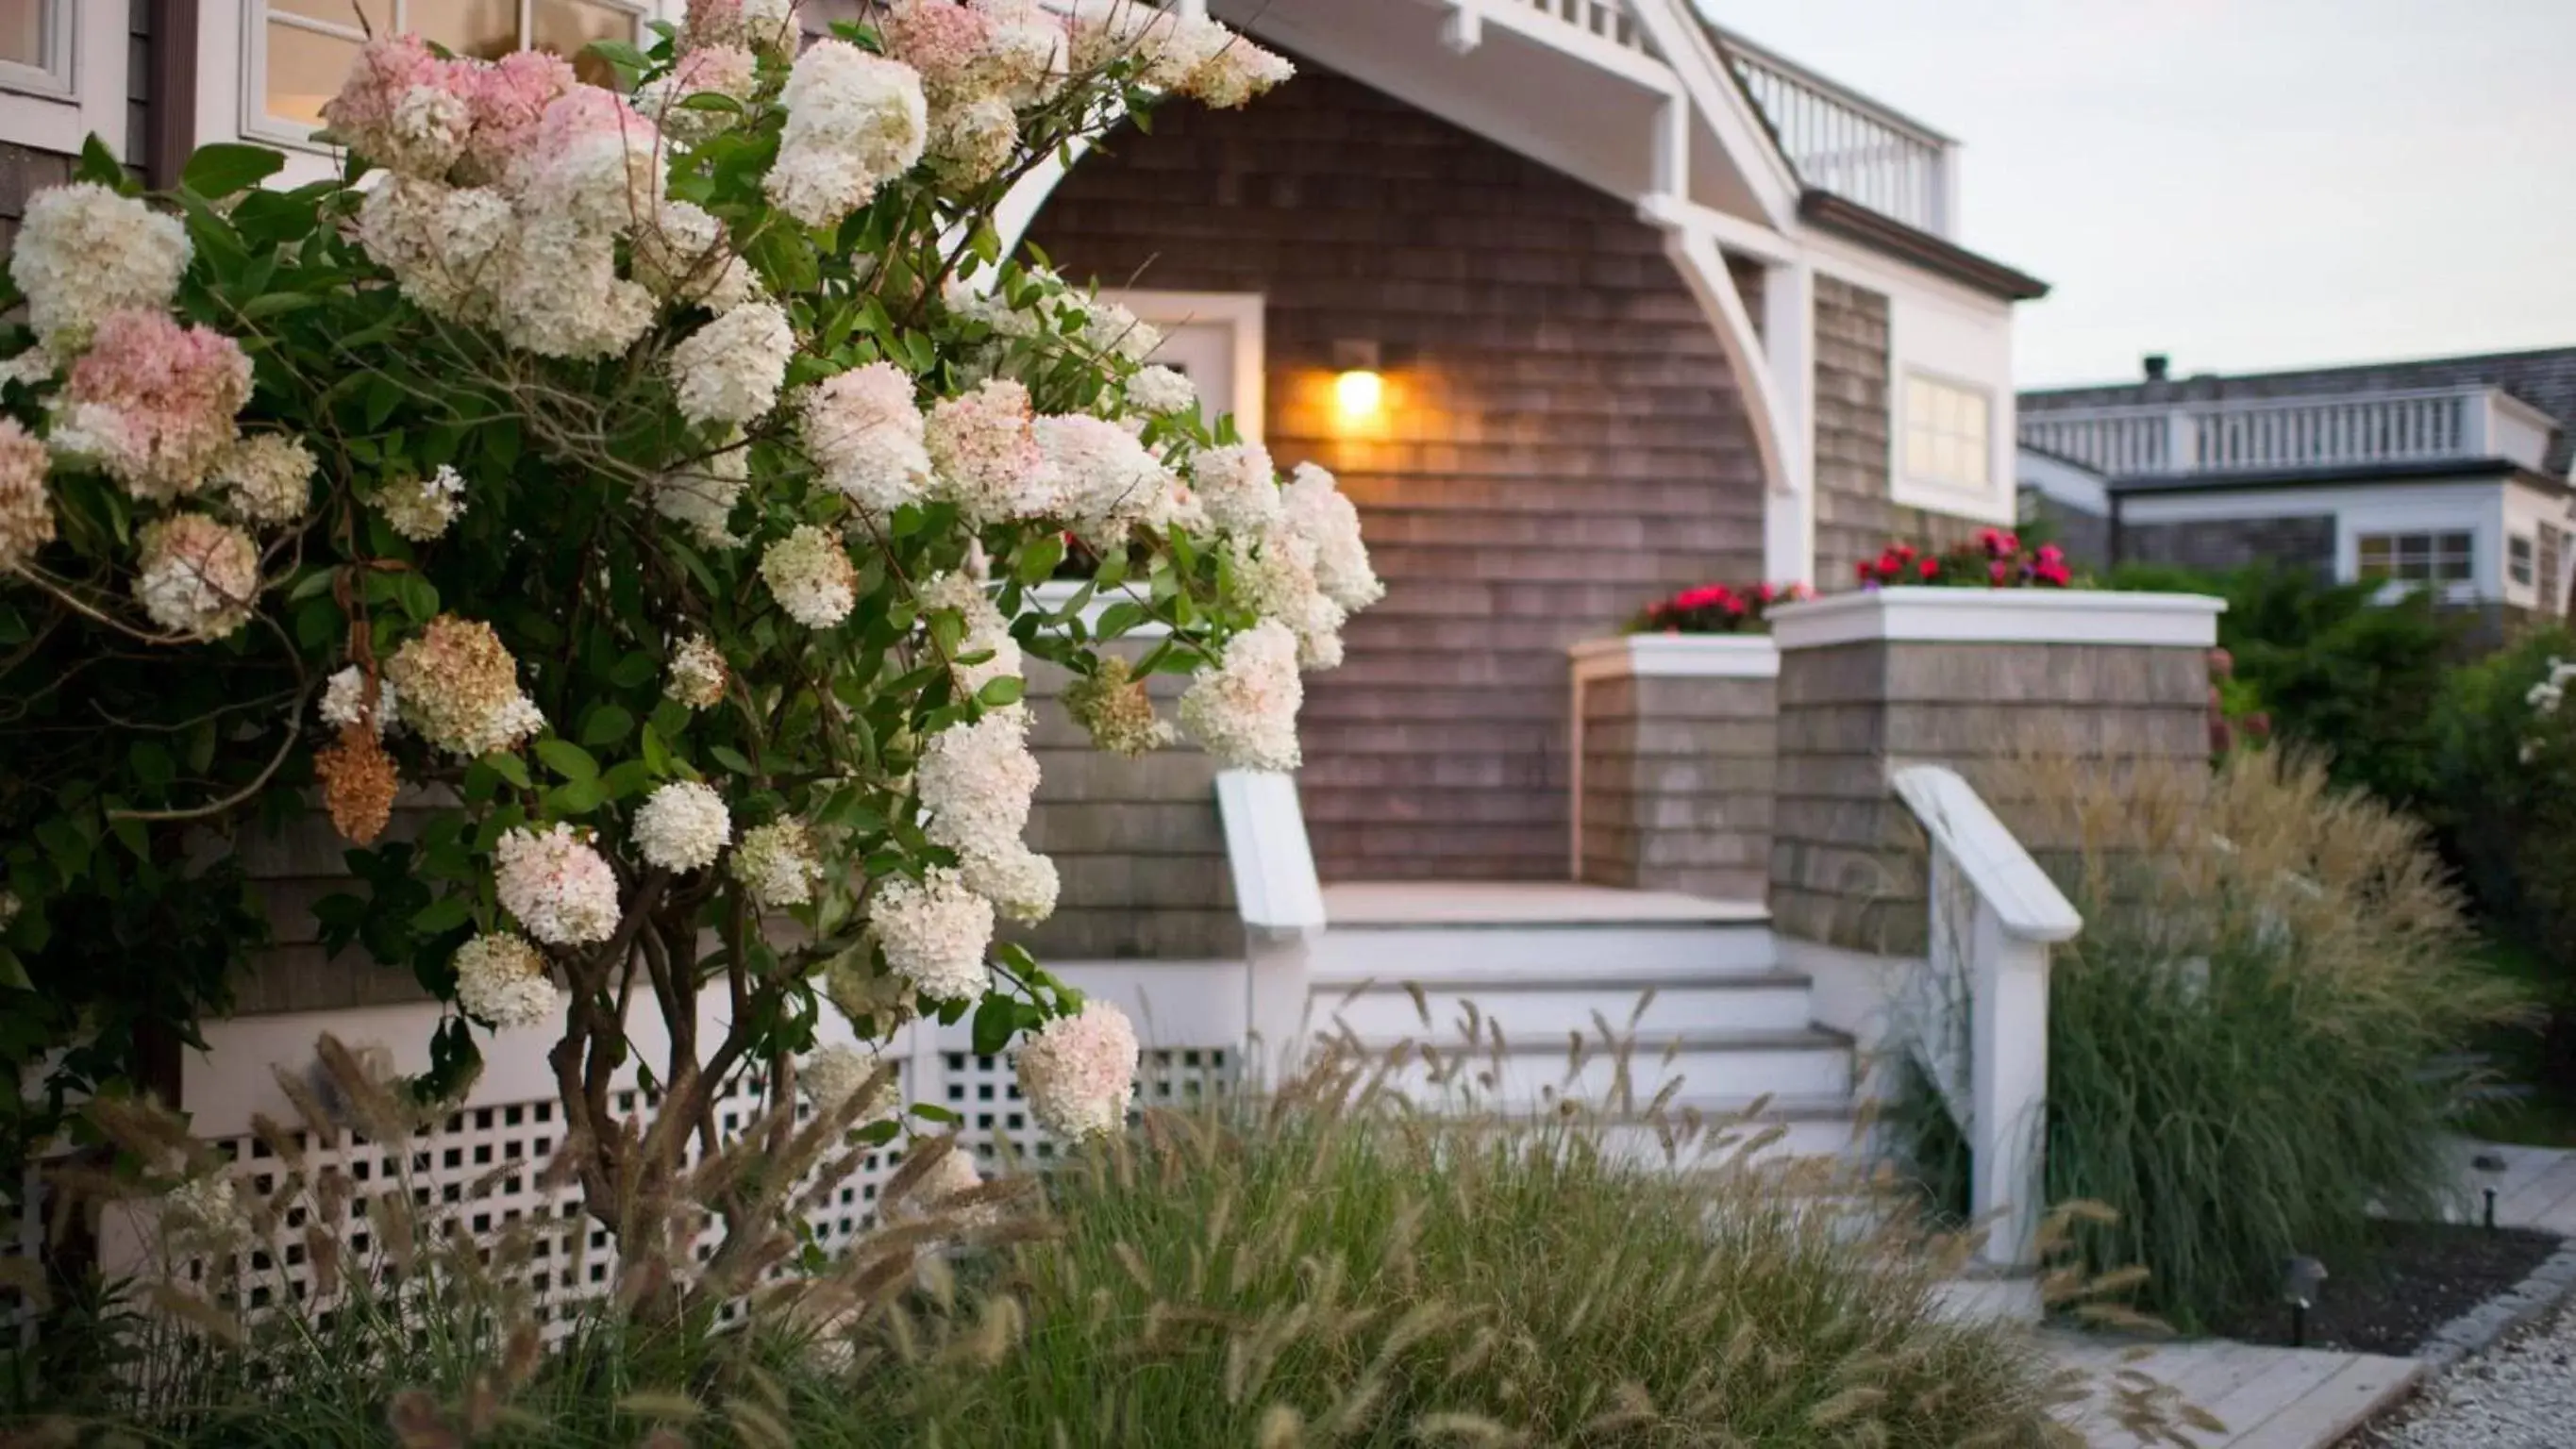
1434,954
1546,1016
1805,1138
1527,1077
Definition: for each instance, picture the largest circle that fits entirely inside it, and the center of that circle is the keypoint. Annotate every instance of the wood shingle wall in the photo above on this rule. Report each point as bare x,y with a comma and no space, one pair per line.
1563,441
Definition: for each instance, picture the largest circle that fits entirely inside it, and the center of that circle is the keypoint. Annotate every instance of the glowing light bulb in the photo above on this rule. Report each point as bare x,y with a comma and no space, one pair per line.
1359,393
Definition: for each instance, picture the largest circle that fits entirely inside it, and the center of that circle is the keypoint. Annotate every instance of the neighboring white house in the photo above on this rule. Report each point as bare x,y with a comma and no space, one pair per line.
2448,473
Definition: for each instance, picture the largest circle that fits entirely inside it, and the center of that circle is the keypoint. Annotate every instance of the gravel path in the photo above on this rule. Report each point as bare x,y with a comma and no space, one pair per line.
2520,1394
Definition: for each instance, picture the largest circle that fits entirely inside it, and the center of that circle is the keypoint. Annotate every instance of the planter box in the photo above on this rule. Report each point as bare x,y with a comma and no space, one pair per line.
1974,679
1675,742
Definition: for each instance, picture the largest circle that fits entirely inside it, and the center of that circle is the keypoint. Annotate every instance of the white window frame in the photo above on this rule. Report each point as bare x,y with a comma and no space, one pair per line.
2391,585
254,121
2522,560
80,89
1243,311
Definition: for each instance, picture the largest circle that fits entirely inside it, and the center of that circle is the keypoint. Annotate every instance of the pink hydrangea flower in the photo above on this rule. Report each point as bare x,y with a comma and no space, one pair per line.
153,402
507,100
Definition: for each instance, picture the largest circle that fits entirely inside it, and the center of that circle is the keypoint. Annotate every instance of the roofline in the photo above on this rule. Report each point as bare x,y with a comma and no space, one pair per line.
2501,470
1849,219
2452,359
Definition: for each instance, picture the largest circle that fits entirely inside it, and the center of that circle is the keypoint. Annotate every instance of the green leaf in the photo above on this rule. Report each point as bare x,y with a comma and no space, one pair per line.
99,164
152,763
994,1021
657,755
1000,692
444,915
13,975
731,759
567,759
577,797
1039,561
625,778
606,725
219,170
711,101
509,767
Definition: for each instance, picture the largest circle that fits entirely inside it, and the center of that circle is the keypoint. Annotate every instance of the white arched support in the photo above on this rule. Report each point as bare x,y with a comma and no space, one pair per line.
1774,367
1020,207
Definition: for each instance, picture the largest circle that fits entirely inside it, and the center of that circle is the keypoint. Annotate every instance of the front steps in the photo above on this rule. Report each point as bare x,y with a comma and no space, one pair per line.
1527,993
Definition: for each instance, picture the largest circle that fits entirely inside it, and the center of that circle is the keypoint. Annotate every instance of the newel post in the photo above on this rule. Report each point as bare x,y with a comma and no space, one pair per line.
2008,1087
1282,907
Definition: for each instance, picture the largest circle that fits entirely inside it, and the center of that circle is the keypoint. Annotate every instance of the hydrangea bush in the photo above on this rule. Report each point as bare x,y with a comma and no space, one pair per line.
644,489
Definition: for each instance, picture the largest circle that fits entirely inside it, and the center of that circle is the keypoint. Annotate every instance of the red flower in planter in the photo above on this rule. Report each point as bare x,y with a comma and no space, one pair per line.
1929,568
2050,553
1765,593
1998,572
1801,590
1992,540
1866,571
2054,575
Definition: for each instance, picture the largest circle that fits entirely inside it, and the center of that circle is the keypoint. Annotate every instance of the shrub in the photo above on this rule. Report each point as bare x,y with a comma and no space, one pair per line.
2250,1042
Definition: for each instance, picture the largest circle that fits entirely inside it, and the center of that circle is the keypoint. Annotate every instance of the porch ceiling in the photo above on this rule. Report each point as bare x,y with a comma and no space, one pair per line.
1589,120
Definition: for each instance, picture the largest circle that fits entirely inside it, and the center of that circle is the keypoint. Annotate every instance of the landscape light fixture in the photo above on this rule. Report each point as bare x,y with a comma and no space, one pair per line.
2300,1281
2490,1168
1359,381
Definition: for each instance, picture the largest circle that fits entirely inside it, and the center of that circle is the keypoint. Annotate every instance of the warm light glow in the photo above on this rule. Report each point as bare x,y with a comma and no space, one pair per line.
1359,393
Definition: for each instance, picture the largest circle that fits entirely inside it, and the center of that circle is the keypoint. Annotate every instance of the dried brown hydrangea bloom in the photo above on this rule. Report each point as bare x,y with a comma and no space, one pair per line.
1114,707
358,783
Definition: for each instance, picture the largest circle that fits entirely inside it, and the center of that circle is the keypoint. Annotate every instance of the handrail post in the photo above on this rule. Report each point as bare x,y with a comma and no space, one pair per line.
2008,1088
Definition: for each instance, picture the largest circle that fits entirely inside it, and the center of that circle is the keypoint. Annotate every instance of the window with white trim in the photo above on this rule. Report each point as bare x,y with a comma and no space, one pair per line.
1949,435
301,49
2438,558
36,46
2522,559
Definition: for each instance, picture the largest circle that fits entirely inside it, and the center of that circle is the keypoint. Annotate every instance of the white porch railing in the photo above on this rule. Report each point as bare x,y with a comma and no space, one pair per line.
2255,434
1606,19
1983,1038
1843,142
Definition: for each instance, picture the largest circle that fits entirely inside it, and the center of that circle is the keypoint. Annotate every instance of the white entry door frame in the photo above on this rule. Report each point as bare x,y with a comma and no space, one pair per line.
1216,339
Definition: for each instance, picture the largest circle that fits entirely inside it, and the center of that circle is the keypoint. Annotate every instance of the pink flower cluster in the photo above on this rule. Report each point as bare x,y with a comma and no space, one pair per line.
153,401
422,116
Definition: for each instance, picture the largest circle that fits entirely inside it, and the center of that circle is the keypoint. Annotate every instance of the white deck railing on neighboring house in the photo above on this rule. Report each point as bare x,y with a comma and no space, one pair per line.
1843,142
2264,434
1982,1029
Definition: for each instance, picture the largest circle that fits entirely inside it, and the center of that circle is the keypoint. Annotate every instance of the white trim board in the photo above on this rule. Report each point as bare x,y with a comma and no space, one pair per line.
80,92
2000,616
1243,313
1673,656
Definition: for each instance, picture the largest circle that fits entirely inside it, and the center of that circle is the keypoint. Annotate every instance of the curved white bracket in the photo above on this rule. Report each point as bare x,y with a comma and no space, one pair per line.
1020,207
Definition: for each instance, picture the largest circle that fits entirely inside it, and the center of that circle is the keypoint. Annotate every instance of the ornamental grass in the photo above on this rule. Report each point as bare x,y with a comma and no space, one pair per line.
1325,1265
2255,1044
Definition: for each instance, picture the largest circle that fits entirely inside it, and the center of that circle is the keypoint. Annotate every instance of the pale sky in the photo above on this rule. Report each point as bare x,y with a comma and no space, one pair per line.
2239,183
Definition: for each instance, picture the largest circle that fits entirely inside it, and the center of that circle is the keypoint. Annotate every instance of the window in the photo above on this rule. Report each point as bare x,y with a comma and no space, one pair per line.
2441,558
36,46
1947,435
304,47
2522,559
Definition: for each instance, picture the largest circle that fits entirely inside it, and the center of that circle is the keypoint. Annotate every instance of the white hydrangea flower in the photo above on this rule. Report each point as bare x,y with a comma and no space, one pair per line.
199,577
930,1195
557,292
502,979
1276,575
700,496
344,701
854,122
561,889
26,509
269,477
1113,331
1244,711
971,143
421,509
986,458
777,865
683,826
729,371
935,932
84,251
1238,487
1158,390
1079,1072
206,1215
811,577
447,246
698,673
976,782
681,256
1110,481
835,1074
1020,883
987,633
1319,511
864,433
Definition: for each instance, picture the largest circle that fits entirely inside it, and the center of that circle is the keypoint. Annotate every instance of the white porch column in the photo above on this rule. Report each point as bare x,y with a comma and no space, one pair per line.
1789,354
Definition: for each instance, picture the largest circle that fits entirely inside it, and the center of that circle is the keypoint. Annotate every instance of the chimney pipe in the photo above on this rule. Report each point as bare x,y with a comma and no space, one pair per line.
2157,366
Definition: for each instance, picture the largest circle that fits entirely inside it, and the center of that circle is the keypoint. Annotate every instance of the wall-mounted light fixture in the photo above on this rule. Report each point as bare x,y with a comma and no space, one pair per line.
1359,387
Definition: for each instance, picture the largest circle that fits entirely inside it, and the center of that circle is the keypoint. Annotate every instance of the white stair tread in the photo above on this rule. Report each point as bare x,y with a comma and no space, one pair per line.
1645,1048
1520,904
1635,982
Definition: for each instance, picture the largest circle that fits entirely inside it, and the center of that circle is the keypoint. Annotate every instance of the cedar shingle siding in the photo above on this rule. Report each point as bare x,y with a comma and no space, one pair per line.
1855,517
1563,440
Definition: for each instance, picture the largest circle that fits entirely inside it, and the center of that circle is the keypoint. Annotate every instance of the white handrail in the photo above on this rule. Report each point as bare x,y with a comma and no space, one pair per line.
2028,904
2413,425
1993,915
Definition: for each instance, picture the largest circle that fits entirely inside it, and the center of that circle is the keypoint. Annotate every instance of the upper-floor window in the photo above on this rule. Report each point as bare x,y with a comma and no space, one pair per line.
36,46
2522,559
1948,435
301,49
2440,558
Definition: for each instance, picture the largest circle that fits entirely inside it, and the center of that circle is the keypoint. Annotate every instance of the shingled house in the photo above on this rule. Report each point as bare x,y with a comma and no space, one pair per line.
1584,300
2447,473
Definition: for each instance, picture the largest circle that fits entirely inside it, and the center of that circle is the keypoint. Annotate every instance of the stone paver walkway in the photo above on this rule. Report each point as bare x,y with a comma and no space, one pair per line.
2536,1190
